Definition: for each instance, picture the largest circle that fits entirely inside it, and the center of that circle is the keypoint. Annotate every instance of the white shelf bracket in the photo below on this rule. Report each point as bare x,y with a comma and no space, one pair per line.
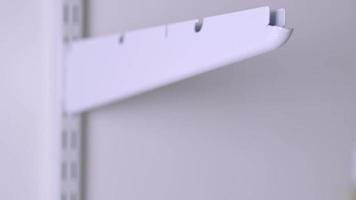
108,69
99,71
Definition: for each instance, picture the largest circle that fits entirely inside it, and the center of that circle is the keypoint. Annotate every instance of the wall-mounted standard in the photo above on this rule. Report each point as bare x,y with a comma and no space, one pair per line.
107,69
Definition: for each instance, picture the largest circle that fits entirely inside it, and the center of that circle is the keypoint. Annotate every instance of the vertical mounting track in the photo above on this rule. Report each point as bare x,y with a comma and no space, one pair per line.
71,155
71,174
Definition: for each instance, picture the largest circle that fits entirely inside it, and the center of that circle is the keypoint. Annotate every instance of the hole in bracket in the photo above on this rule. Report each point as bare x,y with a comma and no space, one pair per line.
277,18
122,39
198,26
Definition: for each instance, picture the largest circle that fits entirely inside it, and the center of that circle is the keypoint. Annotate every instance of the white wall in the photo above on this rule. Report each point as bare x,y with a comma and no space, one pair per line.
27,130
277,127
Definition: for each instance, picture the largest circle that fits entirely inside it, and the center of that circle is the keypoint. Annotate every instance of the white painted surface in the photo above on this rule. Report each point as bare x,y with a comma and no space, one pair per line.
280,126
27,106
103,70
